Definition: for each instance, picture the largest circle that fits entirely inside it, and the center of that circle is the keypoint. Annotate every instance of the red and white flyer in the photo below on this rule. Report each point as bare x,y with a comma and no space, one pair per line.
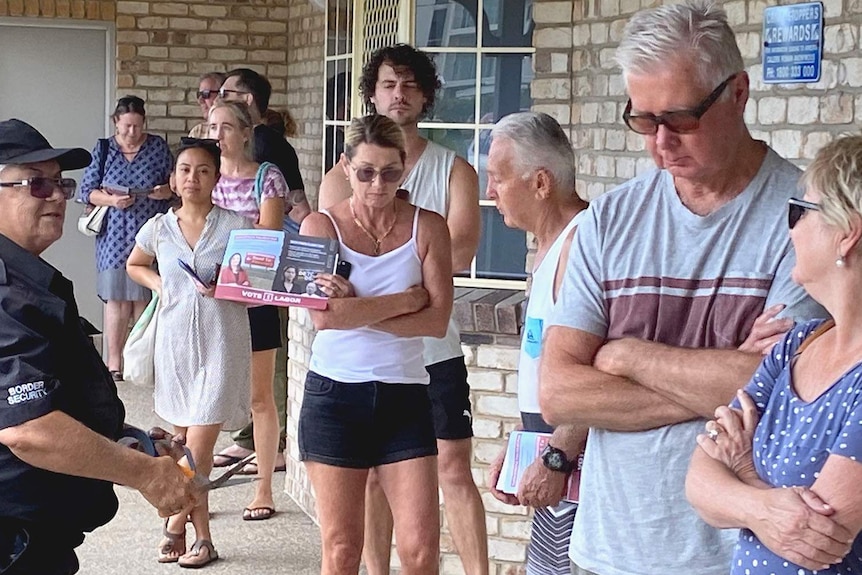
523,449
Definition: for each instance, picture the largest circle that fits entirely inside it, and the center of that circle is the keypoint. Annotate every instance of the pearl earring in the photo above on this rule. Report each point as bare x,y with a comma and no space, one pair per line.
839,263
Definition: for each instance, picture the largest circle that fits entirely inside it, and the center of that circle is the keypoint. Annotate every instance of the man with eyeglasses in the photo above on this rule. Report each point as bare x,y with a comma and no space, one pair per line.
401,82
671,282
207,93
59,410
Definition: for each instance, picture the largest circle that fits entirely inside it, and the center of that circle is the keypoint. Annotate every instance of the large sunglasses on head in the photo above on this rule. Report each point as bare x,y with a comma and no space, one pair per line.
43,188
796,208
207,94
388,175
679,121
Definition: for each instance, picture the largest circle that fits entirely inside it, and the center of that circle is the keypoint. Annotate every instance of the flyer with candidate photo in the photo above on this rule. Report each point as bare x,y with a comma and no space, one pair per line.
269,267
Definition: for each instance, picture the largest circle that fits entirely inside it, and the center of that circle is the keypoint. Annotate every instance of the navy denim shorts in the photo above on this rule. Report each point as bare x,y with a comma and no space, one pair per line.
450,399
363,425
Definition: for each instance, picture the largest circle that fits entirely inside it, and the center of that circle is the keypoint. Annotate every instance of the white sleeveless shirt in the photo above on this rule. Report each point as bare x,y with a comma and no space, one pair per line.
428,184
365,354
539,308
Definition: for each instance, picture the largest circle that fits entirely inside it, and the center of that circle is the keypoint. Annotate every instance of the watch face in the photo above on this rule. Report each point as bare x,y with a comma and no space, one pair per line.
555,461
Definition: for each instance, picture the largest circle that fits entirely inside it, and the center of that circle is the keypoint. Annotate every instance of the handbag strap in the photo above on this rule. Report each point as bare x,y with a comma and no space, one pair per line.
104,148
259,181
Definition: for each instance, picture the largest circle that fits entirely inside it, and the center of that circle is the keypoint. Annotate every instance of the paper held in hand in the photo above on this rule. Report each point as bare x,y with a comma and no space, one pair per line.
523,449
268,267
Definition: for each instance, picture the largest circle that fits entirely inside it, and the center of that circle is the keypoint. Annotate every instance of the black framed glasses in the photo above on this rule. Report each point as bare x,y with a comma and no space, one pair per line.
43,188
207,94
678,121
388,175
796,208
223,91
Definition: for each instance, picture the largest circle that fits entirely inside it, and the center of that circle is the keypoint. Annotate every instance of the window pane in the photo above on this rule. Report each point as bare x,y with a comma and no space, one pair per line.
481,163
442,23
459,141
337,108
508,23
338,21
502,250
505,85
456,99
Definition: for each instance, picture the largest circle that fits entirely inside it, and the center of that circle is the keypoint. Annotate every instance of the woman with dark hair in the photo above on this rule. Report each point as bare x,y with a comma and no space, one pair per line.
129,174
203,344
234,274
366,403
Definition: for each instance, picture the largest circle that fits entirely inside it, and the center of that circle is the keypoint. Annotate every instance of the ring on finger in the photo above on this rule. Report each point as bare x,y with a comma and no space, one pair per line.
712,433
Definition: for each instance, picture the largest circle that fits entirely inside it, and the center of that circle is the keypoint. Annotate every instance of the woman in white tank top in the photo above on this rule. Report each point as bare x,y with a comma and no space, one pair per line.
366,404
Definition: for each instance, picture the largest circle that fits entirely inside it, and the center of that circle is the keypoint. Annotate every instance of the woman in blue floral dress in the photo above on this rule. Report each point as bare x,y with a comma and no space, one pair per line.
130,176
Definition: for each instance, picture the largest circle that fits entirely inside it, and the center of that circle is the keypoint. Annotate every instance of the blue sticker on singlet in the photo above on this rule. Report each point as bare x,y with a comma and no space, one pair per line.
533,336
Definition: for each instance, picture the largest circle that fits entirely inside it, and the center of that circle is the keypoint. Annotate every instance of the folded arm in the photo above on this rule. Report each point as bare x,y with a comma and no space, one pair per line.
434,249
572,391
697,379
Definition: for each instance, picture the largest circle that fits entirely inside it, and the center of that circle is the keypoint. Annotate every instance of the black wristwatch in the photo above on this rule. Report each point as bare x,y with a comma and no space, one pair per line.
556,460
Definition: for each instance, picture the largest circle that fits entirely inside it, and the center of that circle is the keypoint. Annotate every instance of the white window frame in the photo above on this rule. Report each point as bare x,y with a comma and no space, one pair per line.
407,33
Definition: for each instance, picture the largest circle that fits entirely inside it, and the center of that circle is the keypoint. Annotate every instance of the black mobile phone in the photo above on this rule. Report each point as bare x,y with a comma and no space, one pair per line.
343,269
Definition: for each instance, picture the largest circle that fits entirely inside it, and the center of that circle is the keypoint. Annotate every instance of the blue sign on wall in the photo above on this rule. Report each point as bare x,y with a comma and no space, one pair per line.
792,43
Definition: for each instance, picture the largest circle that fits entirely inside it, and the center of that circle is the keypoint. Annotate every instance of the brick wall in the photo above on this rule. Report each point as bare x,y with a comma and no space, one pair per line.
577,82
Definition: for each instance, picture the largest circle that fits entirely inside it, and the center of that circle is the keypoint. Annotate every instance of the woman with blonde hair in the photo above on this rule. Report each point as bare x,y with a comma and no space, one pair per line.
366,402
783,463
263,203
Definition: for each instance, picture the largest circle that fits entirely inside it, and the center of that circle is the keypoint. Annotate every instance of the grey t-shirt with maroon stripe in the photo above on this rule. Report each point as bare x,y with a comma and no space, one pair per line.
644,266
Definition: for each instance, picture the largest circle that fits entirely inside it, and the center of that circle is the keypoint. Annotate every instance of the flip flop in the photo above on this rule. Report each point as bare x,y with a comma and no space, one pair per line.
251,469
248,513
226,460
191,560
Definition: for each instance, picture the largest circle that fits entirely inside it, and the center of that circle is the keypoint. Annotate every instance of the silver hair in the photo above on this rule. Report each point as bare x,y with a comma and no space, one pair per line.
539,142
695,29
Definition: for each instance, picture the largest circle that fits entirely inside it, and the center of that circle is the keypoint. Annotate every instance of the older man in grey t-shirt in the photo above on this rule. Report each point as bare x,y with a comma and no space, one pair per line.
665,280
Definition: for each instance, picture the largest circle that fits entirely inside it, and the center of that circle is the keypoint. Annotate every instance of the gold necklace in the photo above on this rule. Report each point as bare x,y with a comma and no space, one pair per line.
377,241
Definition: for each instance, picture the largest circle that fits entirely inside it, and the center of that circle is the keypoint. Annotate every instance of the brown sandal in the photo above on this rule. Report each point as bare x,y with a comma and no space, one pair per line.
194,559
174,543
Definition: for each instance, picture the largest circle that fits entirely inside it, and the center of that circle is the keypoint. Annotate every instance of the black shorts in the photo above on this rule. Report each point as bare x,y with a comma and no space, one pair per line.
363,425
265,328
450,399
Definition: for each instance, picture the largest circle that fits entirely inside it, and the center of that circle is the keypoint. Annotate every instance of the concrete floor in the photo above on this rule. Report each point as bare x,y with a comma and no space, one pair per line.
288,543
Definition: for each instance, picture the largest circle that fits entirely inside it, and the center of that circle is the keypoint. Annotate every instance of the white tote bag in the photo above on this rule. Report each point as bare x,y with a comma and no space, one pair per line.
139,352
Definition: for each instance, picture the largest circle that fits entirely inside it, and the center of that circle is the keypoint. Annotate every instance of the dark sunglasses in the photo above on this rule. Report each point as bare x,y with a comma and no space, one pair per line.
388,175
201,142
207,94
796,208
679,121
43,188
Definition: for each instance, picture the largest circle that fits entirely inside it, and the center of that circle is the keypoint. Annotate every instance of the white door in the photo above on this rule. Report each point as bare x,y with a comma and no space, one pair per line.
57,77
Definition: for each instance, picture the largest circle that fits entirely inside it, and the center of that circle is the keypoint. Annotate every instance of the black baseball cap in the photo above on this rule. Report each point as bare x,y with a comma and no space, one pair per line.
21,143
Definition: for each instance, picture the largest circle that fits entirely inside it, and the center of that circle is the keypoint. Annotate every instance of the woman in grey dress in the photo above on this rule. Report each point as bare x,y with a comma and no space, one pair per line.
203,345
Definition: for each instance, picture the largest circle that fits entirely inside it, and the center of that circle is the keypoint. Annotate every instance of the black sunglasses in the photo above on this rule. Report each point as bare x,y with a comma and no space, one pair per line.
388,175
43,188
678,121
203,142
796,208
207,94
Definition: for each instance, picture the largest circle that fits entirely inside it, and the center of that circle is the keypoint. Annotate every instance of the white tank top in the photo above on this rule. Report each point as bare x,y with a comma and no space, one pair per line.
428,184
364,354
539,309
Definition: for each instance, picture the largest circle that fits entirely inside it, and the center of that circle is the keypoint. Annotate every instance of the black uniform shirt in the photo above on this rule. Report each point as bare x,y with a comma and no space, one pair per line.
48,363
